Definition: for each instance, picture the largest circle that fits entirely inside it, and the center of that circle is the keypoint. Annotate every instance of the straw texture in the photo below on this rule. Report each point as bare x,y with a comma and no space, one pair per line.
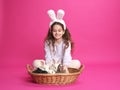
56,79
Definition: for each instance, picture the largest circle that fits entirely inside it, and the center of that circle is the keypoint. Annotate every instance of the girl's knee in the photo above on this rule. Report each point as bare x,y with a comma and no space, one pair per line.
38,62
75,64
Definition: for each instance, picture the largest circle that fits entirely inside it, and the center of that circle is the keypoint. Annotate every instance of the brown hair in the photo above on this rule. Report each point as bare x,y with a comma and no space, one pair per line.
66,36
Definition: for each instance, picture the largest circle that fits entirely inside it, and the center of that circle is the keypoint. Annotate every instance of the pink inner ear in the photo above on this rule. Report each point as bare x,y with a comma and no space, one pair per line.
60,16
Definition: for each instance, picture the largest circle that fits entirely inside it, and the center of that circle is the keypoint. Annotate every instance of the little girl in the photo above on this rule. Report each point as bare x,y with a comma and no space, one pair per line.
58,43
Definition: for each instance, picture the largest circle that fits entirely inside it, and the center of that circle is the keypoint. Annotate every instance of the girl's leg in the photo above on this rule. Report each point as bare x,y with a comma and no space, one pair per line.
75,64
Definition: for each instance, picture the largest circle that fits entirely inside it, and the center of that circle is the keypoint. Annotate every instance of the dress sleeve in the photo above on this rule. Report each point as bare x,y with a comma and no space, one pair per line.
48,56
67,56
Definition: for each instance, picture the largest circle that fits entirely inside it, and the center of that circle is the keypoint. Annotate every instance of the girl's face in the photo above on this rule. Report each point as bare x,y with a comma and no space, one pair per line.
57,32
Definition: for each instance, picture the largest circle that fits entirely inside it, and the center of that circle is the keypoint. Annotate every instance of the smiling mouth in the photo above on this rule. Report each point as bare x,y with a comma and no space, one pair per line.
57,35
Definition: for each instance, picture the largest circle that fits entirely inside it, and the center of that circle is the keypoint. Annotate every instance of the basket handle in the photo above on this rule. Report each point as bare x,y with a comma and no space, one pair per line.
29,68
81,68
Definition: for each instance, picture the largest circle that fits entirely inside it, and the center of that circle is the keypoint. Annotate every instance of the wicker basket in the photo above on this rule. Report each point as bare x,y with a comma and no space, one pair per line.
56,79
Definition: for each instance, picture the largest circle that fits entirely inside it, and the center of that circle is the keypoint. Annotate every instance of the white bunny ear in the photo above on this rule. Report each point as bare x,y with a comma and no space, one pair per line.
51,14
59,18
60,14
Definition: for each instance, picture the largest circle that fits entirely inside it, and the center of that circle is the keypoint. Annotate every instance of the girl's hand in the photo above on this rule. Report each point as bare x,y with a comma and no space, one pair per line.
65,69
62,69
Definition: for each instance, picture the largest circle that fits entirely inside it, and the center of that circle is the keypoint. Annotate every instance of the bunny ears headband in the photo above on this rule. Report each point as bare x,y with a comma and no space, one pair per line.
58,18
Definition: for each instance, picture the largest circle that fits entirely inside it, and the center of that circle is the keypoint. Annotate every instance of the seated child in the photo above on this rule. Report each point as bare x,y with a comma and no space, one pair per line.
58,45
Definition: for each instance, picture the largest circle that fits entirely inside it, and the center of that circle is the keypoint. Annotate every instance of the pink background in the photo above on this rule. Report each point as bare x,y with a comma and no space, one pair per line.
94,26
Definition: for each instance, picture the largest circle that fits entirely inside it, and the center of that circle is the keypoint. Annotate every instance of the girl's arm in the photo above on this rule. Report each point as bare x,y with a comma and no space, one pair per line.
67,56
48,56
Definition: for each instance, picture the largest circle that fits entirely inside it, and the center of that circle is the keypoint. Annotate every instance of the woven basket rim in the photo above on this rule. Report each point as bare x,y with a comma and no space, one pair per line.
56,74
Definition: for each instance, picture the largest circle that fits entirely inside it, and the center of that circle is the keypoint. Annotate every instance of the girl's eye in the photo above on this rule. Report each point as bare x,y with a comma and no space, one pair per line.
54,30
59,30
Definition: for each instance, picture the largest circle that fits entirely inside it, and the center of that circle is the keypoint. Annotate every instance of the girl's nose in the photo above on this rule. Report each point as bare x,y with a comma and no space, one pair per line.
57,32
